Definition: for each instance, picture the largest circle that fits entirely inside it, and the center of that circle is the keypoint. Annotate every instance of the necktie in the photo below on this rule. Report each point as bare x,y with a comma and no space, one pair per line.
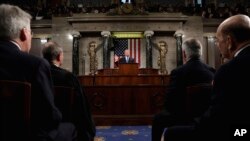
126,59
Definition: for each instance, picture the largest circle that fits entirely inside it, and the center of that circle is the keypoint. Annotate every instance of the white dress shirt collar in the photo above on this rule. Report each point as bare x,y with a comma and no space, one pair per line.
127,58
248,45
16,44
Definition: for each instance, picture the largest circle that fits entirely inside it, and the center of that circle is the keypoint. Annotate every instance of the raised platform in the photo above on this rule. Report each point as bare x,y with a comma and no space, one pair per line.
125,104
125,96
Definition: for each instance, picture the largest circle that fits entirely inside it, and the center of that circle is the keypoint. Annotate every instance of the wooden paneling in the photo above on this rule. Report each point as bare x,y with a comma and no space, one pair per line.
86,80
148,71
121,98
125,104
100,80
129,69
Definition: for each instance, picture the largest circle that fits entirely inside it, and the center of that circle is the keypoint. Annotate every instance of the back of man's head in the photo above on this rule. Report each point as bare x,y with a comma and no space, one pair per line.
51,51
13,20
192,48
238,27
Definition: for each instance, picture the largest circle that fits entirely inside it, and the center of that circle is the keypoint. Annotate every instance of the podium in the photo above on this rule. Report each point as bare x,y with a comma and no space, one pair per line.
129,69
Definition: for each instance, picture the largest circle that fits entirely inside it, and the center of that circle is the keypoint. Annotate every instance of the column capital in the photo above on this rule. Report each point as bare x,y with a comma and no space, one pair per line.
178,33
105,33
75,34
148,33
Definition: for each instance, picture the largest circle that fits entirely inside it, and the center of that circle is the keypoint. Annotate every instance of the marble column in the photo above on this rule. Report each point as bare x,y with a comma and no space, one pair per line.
178,36
149,60
75,55
211,53
106,52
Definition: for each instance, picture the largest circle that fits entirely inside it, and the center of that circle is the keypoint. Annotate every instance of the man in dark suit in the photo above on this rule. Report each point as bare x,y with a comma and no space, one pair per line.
16,64
53,53
194,71
230,106
126,58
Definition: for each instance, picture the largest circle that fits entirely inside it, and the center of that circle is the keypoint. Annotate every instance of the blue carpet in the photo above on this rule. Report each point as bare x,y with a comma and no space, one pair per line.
123,133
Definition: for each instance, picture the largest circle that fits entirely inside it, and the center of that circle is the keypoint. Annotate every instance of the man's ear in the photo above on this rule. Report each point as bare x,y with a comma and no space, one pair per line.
23,34
184,54
58,57
231,43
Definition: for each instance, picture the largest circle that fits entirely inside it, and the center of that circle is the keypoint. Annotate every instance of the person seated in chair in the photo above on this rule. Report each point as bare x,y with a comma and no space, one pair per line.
126,58
53,53
229,108
194,71
17,65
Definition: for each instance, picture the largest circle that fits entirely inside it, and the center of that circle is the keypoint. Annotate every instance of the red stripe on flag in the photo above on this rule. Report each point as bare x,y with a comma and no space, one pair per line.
139,52
135,56
131,47
134,45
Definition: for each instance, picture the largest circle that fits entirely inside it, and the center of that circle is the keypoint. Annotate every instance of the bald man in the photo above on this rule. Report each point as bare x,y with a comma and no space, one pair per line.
230,108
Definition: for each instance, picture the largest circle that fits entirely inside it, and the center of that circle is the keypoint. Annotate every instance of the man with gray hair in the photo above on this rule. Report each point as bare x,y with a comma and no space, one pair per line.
228,117
194,71
16,64
82,117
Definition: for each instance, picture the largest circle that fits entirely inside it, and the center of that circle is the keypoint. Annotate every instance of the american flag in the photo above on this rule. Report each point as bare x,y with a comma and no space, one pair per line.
133,44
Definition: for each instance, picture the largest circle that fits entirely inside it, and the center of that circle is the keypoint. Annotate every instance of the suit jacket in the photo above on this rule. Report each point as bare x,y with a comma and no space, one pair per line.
83,122
230,104
19,66
193,72
123,60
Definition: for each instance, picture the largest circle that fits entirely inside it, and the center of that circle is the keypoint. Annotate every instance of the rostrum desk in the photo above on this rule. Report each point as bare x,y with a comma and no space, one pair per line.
125,96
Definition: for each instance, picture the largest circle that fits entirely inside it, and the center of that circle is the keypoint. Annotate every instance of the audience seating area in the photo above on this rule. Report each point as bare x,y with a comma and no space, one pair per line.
46,10
197,102
15,105
15,101
198,98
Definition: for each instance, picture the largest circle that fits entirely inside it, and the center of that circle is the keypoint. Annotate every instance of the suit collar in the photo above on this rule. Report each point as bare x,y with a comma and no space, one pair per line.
54,66
9,45
243,51
193,59
16,44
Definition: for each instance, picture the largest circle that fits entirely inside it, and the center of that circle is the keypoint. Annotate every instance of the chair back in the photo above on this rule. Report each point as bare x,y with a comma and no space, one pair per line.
64,98
15,100
198,99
